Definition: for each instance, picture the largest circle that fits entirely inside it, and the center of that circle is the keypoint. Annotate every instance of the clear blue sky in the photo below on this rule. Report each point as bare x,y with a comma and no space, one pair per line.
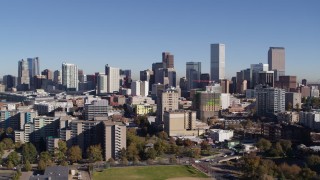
133,33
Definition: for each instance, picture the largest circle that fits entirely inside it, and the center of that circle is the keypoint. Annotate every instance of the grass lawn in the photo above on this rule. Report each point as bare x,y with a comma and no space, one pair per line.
151,172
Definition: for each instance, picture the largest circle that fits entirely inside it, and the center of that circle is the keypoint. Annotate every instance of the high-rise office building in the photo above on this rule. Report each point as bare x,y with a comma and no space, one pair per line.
217,69
48,73
168,60
288,83
135,88
113,78
81,75
70,76
266,78
205,80
225,84
193,72
34,67
304,82
23,75
147,75
9,81
102,84
254,73
57,77
276,61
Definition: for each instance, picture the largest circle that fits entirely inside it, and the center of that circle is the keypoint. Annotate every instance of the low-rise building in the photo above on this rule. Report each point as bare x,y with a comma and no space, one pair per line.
143,109
180,123
288,117
221,135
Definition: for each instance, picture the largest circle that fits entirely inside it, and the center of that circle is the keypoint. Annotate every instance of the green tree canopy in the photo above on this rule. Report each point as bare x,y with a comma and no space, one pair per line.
74,154
264,144
14,158
29,152
94,153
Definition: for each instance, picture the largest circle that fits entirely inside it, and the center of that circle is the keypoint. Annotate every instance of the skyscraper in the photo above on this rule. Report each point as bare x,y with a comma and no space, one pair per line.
57,77
193,72
34,68
217,69
48,73
102,81
113,78
254,73
70,76
168,60
23,75
276,61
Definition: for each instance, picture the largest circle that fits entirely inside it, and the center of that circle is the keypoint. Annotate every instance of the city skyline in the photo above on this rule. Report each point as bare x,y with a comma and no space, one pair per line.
132,35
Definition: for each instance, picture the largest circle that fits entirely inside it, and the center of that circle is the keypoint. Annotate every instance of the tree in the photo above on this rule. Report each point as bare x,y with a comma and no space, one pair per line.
307,173
163,135
62,146
94,153
173,160
285,145
179,142
1,149
64,163
111,161
8,143
27,166
290,172
42,165
249,165
29,152
123,153
10,165
9,130
46,158
14,158
124,162
204,145
136,160
132,151
74,154
313,160
160,146
264,145
187,143
151,153
276,150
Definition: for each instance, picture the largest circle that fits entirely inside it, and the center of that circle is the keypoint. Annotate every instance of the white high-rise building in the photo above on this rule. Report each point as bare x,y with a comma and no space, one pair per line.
144,88
113,78
102,86
140,88
217,69
135,88
70,76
